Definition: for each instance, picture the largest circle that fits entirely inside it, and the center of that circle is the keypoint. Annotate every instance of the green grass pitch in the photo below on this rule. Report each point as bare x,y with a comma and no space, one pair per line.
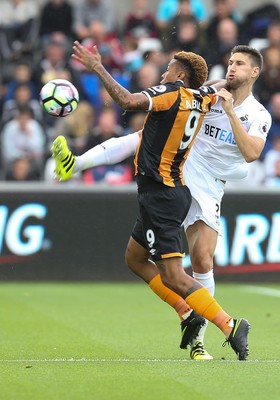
103,341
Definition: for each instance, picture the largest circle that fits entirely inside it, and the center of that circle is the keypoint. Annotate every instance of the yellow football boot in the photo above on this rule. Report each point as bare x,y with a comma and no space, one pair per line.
64,159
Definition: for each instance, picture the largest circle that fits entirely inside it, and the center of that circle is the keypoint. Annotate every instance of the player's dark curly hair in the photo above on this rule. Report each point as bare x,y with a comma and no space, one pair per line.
195,66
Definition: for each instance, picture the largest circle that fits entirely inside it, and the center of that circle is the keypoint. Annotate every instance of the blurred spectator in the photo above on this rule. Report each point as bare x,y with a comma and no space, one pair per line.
274,132
272,37
54,60
108,44
273,33
272,163
269,80
132,56
148,75
136,122
167,10
22,99
222,9
107,128
23,137
140,21
218,71
87,11
152,52
257,21
22,73
186,35
136,52
56,22
21,169
227,38
3,91
18,20
77,127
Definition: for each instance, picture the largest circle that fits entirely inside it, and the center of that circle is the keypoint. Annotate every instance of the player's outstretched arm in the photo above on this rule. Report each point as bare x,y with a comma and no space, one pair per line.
92,61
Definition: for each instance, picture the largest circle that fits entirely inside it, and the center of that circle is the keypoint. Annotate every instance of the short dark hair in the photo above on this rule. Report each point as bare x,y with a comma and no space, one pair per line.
255,55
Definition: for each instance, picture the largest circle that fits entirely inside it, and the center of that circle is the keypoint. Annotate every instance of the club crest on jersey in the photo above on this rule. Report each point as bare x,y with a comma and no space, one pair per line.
263,128
158,89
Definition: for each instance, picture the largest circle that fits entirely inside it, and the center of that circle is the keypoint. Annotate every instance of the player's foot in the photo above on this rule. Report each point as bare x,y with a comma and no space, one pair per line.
238,339
190,328
64,159
198,352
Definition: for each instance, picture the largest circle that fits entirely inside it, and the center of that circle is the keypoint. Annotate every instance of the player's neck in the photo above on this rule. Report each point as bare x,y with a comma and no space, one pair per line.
240,94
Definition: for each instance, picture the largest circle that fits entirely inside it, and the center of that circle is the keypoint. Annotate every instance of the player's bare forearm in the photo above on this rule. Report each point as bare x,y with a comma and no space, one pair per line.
119,94
92,62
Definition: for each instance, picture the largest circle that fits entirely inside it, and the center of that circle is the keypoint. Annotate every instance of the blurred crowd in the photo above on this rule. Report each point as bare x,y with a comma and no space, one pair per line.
36,44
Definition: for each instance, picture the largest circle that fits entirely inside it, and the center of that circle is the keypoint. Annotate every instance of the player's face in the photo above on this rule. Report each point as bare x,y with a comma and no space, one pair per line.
171,73
240,71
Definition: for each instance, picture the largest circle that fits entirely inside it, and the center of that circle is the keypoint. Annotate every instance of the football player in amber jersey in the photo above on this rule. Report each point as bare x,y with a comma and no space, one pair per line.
176,109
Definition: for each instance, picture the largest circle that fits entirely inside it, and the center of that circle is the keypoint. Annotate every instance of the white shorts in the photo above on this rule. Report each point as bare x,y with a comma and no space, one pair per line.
207,193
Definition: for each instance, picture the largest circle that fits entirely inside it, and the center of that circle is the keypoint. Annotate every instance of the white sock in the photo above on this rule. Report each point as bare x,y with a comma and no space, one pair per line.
207,280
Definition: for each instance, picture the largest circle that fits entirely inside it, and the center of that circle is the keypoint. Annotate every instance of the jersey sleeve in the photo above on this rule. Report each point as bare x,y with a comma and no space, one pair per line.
261,124
161,97
209,91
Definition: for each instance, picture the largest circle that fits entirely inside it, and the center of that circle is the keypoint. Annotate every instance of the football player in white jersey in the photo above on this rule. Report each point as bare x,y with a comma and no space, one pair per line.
233,134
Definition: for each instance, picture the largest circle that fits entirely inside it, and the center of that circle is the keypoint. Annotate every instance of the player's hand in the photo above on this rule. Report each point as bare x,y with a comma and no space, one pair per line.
227,100
90,59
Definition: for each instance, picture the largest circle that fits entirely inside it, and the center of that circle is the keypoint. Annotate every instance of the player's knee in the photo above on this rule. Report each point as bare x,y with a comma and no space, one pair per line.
202,263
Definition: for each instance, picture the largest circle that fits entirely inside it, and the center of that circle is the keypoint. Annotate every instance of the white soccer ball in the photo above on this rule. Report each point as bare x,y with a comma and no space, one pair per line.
59,97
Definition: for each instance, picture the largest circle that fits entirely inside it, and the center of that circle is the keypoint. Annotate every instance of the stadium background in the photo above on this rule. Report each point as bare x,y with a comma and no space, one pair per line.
120,7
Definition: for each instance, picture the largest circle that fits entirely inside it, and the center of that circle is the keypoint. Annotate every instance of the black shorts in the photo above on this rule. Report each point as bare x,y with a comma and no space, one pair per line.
159,226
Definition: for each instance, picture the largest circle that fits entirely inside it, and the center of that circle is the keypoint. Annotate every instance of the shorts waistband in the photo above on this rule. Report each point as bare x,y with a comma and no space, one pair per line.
145,184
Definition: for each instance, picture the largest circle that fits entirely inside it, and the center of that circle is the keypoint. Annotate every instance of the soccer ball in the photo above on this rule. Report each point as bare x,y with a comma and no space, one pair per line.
59,97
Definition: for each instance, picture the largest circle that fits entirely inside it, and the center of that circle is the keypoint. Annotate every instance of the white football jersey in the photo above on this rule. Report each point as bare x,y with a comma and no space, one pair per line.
215,147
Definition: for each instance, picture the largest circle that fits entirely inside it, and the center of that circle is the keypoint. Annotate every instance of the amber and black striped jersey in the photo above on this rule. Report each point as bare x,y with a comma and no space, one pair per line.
174,119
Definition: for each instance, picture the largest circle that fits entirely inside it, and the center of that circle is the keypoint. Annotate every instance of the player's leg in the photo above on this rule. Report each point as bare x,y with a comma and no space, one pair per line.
200,300
139,261
202,226
202,240
111,151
